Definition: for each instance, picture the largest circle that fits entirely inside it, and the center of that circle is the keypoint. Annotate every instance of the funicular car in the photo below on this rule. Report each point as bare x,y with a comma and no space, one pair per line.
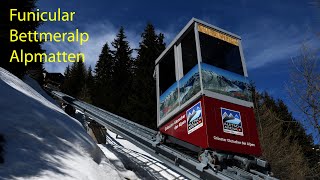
204,99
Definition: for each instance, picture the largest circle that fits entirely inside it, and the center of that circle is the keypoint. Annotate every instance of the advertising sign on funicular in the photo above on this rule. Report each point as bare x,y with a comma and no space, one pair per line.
194,118
231,121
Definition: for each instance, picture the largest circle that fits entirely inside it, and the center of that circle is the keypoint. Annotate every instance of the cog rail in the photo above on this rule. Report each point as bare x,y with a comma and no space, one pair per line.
149,140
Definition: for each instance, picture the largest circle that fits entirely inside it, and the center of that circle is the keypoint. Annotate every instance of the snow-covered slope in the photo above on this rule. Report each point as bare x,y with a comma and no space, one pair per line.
42,142
123,153
34,85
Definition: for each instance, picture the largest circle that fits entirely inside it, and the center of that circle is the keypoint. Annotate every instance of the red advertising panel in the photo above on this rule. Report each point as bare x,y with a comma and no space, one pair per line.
189,125
231,127
218,125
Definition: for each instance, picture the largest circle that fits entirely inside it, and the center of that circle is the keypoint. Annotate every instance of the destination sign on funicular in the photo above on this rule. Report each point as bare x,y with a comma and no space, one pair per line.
217,34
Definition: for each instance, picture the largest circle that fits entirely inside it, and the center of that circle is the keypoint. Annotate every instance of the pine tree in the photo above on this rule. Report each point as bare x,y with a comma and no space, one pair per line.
142,99
122,74
78,76
104,66
65,85
67,72
6,25
87,89
75,81
102,92
90,81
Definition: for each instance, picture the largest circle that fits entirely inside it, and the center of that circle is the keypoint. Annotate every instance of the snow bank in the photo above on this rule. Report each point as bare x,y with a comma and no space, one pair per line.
34,85
42,142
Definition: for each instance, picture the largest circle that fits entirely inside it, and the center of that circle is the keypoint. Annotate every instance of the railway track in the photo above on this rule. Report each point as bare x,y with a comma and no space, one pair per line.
148,140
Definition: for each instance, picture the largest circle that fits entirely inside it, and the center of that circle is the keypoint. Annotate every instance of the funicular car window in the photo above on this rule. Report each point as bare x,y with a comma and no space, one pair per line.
167,76
189,84
189,52
221,66
220,54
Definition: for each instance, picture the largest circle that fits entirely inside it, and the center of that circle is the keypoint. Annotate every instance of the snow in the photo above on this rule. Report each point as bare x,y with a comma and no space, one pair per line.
34,84
42,142
196,116
131,161
234,121
132,157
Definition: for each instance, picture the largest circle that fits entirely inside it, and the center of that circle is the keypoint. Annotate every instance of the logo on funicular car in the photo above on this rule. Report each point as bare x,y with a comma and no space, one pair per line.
194,118
231,121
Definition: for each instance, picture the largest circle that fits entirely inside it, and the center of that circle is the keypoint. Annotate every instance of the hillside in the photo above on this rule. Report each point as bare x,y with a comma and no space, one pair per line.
41,141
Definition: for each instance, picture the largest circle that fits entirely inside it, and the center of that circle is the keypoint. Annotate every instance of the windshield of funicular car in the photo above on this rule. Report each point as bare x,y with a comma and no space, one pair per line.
222,70
220,53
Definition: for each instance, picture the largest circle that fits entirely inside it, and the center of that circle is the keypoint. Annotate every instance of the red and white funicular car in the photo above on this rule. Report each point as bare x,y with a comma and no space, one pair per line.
203,94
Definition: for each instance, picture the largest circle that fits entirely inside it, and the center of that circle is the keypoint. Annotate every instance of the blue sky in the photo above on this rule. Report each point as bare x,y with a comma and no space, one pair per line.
272,31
